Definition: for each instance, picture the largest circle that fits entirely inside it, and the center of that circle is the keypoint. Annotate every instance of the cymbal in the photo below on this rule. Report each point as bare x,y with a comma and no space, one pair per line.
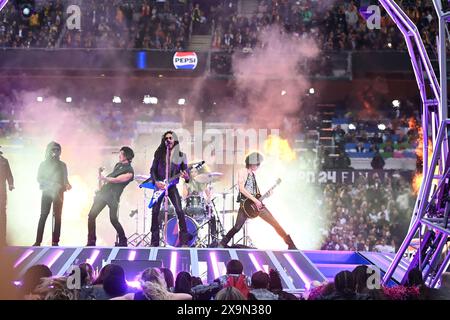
208,177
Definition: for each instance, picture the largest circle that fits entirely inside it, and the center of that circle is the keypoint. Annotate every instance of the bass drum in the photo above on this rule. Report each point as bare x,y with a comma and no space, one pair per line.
195,207
171,232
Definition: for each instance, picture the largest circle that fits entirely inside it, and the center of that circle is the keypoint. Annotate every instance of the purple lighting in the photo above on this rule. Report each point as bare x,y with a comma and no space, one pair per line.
93,257
134,284
173,262
214,264
255,262
3,3
364,13
52,259
132,255
302,276
22,258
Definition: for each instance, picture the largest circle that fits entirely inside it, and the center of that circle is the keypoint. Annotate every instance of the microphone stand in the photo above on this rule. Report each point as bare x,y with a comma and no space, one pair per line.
233,170
166,194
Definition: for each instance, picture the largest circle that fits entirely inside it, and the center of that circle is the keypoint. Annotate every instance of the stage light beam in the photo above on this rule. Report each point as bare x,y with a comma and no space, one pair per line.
396,103
117,99
3,3
173,262
147,99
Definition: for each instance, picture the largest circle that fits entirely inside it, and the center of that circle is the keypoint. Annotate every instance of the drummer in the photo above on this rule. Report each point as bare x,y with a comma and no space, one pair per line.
195,188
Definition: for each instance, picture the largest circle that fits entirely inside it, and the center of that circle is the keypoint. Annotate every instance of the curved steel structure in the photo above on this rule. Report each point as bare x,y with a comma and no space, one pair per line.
430,215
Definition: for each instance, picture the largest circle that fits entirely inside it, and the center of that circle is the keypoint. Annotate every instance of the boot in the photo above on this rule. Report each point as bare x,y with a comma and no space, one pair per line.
290,243
90,244
36,244
122,243
154,242
224,242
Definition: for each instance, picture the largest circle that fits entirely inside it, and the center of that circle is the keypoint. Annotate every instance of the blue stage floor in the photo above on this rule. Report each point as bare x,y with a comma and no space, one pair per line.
297,268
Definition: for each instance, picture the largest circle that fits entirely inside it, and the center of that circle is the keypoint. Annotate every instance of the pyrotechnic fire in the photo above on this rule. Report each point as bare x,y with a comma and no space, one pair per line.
418,178
417,182
275,146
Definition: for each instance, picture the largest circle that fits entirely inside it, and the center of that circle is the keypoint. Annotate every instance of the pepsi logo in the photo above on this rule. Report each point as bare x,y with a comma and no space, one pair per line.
185,60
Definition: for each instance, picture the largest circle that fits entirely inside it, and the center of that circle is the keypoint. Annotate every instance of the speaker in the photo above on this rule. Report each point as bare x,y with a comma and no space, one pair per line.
134,268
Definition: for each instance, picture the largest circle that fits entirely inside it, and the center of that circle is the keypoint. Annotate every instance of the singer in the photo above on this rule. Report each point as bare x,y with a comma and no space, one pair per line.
53,181
177,163
109,195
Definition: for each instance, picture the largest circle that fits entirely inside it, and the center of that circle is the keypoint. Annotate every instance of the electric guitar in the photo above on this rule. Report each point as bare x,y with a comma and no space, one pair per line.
159,193
250,208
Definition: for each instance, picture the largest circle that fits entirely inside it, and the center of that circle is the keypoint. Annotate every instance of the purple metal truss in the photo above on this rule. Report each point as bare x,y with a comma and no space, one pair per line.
431,208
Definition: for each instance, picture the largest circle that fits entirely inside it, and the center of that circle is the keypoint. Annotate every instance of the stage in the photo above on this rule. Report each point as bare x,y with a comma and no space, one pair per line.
298,268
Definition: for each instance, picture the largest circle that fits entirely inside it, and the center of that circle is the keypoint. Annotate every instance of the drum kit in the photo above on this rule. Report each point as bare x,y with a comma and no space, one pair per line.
202,218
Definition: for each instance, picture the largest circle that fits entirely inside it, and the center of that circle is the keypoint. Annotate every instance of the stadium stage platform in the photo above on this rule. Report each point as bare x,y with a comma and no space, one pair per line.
298,268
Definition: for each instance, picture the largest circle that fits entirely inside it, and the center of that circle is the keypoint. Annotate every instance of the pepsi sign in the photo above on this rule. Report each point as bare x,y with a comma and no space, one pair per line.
185,60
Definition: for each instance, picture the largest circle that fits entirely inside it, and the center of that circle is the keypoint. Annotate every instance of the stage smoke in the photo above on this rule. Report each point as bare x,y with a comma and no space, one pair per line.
85,148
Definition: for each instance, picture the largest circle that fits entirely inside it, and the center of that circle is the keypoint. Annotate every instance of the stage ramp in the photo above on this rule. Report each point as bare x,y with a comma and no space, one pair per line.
298,269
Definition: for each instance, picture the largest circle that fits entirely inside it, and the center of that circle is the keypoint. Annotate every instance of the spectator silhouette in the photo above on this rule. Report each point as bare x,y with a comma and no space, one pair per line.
377,162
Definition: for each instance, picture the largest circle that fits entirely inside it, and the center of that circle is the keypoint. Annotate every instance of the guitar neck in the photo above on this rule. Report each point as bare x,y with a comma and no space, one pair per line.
172,179
269,191
179,174
266,195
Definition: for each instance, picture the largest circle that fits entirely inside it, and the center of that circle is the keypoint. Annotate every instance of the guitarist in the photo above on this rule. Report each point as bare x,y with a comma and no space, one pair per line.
248,189
178,164
109,195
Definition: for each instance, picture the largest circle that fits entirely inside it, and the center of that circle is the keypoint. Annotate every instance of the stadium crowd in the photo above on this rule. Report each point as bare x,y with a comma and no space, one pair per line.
370,215
146,24
166,25
340,26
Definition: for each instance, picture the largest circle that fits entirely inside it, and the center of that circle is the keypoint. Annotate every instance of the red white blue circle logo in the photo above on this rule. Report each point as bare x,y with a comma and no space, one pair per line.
185,60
